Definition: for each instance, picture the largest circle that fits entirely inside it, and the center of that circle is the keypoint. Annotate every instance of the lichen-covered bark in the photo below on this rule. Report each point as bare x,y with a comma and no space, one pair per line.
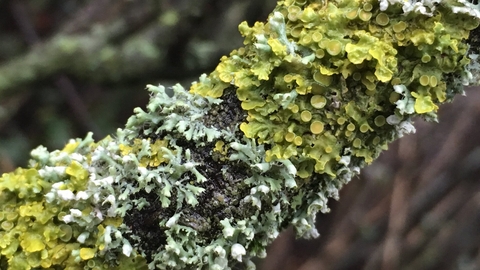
207,178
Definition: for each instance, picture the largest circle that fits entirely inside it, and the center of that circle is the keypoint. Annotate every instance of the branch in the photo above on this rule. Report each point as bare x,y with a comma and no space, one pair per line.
207,178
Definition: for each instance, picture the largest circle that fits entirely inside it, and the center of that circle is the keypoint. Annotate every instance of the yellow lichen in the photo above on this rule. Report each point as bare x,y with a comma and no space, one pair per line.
87,253
318,101
382,19
306,116
316,127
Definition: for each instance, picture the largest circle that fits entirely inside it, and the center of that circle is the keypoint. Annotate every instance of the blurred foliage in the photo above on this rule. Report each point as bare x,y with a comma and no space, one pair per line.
417,207
68,67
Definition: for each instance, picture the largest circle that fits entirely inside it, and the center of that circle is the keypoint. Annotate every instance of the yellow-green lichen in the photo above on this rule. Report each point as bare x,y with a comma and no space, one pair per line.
151,154
341,58
46,211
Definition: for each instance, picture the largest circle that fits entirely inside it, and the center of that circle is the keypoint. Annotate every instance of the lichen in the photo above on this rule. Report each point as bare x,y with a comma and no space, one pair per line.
342,67
207,178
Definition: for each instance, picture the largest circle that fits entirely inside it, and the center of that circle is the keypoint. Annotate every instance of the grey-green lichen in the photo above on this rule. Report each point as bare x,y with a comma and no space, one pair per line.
207,178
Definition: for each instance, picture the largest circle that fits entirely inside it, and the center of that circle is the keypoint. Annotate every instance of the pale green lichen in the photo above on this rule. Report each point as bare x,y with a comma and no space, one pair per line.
207,178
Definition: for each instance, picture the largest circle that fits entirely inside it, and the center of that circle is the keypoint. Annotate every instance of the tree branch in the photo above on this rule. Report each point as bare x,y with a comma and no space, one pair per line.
207,178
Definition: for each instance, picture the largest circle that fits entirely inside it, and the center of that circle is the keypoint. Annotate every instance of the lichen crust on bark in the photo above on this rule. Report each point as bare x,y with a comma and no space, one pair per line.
206,178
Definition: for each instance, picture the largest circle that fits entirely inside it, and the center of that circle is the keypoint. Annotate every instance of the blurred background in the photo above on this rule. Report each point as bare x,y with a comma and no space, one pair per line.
68,67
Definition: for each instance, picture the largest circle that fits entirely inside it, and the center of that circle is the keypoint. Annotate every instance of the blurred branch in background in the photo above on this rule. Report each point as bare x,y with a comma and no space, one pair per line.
71,66
72,61
62,82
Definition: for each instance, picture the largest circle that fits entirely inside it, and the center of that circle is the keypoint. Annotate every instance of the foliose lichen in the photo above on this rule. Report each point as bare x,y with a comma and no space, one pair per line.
207,178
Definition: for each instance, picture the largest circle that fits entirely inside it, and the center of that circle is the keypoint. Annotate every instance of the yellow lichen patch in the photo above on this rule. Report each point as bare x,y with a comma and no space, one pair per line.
357,143
334,47
296,32
327,71
396,81
368,84
433,81
210,88
421,36
277,47
32,242
60,252
318,101
298,141
426,58
278,152
78,175
156,156
34,259
87,253
25,182
364,128
66,231
351,14
325,153
225,71
327,67
367,6
341,120
70,147
125,149
111,221
317,36
399,26
316,127
12,216
322,79
293,12
382,19
32,209
221,149
424,80
308,15
306,39
319,53
380,121
289,137
294,108
306,116
7,225
101,234
439,91
424,104
288,78
30,233
365,15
